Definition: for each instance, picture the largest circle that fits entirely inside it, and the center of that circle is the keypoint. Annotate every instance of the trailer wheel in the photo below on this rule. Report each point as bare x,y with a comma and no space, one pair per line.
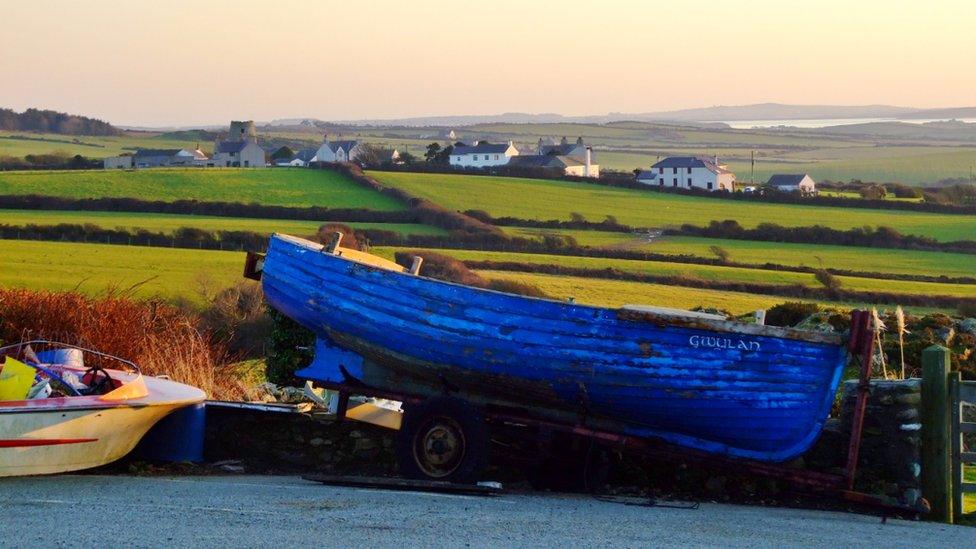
443,439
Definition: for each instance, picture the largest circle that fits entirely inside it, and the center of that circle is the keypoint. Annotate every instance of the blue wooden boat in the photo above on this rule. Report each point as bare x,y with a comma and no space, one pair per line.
733,389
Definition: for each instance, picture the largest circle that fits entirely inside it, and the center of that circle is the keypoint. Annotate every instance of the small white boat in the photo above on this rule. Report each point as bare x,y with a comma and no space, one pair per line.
94,426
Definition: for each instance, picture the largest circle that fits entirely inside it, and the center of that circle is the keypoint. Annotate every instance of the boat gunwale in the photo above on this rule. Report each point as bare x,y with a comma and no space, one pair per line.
95,402
724,326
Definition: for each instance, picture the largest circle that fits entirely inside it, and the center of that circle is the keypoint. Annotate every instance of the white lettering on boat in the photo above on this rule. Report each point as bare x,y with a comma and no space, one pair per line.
723,343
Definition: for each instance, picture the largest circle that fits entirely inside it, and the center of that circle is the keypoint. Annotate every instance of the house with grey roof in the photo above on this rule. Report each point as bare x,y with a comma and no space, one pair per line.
482,154
571,158
689,172
156,158
240,150
793,183
337,151
563,148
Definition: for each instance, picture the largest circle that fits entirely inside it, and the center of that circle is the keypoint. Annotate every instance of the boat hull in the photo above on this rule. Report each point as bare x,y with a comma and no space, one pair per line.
58,435
41,443
731,389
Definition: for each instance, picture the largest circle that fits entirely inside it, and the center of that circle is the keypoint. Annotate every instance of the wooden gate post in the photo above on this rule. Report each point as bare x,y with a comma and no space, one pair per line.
936,463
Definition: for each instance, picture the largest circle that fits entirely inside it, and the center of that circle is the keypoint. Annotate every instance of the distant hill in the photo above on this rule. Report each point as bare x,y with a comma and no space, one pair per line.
943,114
190,135
762,111
36,120
943,130
777,111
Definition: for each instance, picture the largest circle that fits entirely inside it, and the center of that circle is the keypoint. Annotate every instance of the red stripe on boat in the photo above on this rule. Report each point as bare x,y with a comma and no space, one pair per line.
24,442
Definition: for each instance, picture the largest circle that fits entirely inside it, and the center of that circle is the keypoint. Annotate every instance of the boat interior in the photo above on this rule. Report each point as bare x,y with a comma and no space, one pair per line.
42,369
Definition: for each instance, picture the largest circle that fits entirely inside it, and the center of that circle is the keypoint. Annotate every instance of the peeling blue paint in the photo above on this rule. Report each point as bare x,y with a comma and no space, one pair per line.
744,395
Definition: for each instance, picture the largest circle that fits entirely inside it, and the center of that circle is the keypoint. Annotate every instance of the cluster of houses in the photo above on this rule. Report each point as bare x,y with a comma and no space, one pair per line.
707,173
241,150
570,158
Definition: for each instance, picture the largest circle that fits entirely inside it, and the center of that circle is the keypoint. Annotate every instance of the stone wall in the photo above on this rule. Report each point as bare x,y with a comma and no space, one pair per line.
891,445
278,442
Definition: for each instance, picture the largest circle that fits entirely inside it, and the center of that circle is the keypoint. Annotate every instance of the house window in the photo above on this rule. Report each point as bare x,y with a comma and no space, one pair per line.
689,169
674,170
496,157
661,171
709,185
675,182
661,181
689,182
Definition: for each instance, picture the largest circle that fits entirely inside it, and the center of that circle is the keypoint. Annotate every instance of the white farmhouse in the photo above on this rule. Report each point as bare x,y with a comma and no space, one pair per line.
689,172
337,151
482,155
793,183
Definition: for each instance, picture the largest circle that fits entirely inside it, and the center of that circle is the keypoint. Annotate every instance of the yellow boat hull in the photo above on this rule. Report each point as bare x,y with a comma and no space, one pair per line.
57,435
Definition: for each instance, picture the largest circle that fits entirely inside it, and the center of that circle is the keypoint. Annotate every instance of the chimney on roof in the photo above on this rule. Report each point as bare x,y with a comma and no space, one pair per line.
579,140
716,160
563,141
589,159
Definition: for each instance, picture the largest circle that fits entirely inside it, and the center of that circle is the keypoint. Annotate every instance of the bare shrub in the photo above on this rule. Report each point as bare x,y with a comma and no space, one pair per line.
237,317
517,287
442,267
349,238
160,338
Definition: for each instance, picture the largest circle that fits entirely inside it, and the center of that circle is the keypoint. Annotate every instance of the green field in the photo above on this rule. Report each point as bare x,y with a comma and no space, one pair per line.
970,499
544,200
167,223
19,144
913,165
712,273
271,186
166,273
879,260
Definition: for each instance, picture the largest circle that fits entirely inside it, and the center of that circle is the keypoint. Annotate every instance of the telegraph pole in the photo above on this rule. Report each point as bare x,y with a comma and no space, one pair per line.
752,176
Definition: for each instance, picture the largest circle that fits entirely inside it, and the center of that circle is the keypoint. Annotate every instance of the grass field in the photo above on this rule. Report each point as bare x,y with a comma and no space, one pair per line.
274,186
749,251
913,165
171,274
614,293
15,144
712,273
542,199
167,223
970,501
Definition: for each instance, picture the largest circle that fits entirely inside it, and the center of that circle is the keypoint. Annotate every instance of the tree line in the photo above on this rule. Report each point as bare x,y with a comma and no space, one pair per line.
211,208
47,121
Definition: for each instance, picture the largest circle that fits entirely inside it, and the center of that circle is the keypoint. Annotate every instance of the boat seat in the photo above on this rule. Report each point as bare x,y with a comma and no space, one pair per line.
666,311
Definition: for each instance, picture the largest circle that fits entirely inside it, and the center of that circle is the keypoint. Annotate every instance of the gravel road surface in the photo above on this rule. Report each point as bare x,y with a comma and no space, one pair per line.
261,511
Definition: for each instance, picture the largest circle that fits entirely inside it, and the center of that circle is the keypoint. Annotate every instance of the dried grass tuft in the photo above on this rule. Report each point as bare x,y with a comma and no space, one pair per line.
160,338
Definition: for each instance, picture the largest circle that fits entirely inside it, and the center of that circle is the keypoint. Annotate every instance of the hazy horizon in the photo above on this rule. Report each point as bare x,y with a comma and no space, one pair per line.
187,63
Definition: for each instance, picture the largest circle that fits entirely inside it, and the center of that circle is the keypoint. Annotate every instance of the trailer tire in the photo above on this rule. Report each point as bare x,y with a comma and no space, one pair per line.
444,439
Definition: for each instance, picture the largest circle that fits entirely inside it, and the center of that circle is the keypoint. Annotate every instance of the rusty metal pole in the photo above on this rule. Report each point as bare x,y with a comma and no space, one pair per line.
861,329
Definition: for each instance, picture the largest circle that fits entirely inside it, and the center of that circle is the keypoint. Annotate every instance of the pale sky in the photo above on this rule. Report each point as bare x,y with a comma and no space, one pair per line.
178,62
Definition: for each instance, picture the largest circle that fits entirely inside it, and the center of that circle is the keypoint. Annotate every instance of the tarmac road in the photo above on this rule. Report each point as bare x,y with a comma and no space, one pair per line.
262,511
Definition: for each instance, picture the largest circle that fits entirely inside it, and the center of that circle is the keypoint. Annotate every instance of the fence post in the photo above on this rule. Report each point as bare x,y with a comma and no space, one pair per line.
936,466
